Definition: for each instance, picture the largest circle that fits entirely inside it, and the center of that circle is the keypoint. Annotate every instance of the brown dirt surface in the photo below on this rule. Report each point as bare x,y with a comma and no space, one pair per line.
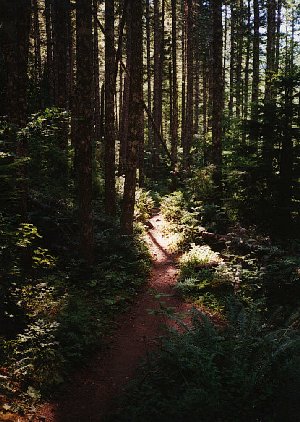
92,391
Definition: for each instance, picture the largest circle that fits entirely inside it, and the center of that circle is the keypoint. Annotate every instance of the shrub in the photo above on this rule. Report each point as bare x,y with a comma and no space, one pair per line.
144,205
172,206
198,258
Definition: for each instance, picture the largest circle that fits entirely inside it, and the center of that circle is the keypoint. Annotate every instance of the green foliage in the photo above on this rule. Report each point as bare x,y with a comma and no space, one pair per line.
47,136
144,204
35,359
197,258
239,371
172,206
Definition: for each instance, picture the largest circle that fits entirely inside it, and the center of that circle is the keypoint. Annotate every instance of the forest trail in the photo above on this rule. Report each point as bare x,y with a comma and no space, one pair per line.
93,390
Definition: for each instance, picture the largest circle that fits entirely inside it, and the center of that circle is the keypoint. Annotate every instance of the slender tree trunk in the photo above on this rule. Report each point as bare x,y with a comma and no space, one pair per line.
190,86
248,44
269,100
239,59
174,127
183,87
278,25
60,11
110,190
84,94
204,76
96,75
197,94
37,43
149,79
48,70
232,56
217,91
158,69
135,112
125,106
256,55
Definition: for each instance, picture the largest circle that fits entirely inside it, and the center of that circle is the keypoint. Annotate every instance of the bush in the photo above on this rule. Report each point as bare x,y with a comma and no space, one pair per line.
232,373
172,206
144,205
198,258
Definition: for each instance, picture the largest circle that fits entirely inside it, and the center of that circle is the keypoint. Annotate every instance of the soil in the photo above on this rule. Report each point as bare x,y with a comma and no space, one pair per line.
92,392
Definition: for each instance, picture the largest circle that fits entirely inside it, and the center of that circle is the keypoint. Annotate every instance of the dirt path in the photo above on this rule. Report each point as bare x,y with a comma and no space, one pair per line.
93,389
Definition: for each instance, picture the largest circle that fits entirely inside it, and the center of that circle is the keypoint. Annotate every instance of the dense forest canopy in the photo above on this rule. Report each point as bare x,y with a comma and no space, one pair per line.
110,108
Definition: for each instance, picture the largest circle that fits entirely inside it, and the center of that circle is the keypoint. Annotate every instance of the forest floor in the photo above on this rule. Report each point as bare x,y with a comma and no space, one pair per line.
93,391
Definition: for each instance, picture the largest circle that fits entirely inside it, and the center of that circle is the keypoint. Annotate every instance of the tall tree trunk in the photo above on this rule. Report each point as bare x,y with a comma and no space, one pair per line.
183,71
174,127
248,44
135,112
255,78
217,91
190,86
84,95
278,25
110,190
269,100
158,69
37,43
125,105
149,79
60,15
204,76
239,59
97,122
232,56
48,69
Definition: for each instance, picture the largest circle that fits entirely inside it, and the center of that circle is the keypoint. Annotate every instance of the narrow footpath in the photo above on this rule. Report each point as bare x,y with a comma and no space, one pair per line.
93,390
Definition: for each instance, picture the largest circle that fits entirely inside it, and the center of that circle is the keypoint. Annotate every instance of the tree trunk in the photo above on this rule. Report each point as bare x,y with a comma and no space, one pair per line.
174,127
60,14
255,77
269,100
190,87
248,44
125,106
48,69
239,59
97,122
110,190
84,95
158,78
149,79
37,43
135,113
232,57
217,92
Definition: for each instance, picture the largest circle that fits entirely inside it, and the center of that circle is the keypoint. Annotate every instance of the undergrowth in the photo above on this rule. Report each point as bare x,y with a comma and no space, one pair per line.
245,370
54,309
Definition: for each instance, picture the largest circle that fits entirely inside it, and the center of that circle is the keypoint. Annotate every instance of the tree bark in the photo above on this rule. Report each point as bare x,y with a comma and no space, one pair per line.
110,87
190,87
135,112
158,78
256,55
60,15
174,127
97,117
217,92
84,95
